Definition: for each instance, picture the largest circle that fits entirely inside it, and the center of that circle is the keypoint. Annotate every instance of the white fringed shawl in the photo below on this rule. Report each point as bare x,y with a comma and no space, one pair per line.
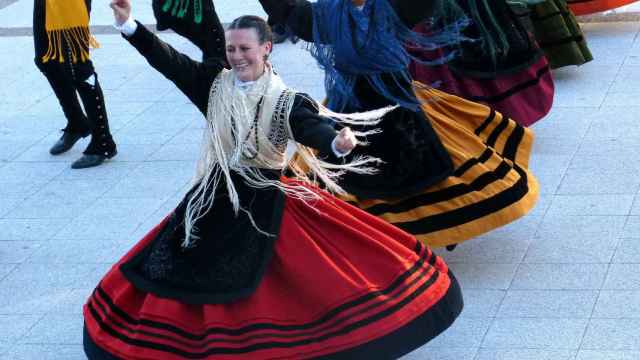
230,136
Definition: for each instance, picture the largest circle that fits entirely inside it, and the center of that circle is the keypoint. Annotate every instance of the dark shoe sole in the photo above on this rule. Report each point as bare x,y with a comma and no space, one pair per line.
60,147
89,161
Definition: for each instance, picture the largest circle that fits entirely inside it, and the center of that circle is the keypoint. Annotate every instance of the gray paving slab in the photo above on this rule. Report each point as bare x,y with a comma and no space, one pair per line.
59,329
559,276
442,353
607,355
573,249
16,252
623,277
614,204
30,229
488,276
572,304
482,303
525,354
45,352
465,333
635,209
541,333
14,327
628,251
632,227
618,304
612,334
6,269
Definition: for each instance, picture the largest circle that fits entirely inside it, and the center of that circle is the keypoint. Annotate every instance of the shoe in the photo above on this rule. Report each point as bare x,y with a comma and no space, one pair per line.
65,143
451,247
91,160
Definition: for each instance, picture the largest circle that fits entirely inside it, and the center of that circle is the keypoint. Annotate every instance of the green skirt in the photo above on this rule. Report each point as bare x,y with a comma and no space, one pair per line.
558,33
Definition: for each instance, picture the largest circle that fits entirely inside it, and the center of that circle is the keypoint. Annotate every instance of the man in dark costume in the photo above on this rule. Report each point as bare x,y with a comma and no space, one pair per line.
62,40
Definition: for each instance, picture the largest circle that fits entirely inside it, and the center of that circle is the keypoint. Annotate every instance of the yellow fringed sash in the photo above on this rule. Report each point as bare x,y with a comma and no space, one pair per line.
68,21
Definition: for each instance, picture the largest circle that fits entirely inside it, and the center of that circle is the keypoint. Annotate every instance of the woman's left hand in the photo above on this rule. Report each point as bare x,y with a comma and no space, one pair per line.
345,140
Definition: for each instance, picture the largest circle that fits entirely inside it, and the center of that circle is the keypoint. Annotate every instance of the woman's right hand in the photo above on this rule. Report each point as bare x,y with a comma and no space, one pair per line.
121,10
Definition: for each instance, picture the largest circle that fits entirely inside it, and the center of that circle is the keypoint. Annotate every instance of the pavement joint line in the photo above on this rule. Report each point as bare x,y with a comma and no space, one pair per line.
95,30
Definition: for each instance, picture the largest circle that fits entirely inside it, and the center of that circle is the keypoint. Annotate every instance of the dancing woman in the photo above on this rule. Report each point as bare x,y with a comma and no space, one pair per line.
454,169
251,265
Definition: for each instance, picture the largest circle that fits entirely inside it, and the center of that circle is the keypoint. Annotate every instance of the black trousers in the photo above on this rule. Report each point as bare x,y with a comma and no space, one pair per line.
68,80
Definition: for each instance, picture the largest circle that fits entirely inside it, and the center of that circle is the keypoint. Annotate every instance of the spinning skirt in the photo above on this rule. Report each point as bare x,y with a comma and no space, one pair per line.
342,284
525,93
559,35
491,185
584,7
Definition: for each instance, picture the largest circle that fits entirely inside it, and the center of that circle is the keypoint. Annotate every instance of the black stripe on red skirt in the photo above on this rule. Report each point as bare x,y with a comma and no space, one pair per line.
371,300
512,90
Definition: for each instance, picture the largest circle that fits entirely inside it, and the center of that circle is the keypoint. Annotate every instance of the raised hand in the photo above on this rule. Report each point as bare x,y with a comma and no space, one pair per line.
121,10
345,140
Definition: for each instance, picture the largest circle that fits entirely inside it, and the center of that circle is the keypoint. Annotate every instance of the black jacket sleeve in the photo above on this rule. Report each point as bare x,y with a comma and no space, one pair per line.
193,78
309,128
296,14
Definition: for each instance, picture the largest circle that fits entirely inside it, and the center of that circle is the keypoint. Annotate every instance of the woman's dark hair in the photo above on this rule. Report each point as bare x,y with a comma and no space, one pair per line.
253,22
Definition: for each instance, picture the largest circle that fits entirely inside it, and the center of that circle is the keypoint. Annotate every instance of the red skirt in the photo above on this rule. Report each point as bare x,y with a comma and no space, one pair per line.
584,7
525,95
342,284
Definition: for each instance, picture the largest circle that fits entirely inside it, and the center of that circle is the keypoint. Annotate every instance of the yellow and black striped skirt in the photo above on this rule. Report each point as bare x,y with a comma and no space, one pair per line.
491,184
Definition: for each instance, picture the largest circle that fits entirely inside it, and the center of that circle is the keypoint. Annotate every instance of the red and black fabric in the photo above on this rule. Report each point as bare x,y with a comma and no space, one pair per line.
518,83
340,284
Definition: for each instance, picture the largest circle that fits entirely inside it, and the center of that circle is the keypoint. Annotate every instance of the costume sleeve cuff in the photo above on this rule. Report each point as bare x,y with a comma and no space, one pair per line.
336,152
127,28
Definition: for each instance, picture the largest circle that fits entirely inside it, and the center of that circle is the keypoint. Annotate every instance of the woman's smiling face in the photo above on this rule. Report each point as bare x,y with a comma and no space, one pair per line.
245,54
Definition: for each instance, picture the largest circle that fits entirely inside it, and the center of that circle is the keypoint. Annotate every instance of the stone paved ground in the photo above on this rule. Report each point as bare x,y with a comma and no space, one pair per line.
562,283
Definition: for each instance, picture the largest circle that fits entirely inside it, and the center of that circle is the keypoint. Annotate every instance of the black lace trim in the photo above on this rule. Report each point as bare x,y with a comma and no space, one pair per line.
226,263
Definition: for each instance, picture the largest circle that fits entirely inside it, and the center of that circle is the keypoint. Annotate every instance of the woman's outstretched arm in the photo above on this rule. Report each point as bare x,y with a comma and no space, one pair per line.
193,78
315,131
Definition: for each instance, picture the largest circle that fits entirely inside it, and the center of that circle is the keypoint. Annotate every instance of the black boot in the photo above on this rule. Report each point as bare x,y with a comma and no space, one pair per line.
102,146
61,82
66,142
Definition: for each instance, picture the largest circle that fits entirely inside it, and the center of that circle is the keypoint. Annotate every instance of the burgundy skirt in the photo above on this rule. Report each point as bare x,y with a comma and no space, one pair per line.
525,93
342,284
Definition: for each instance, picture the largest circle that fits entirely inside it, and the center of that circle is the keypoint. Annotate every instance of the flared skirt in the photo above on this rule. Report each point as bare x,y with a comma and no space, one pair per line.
342,284
491,184
525,94
558,34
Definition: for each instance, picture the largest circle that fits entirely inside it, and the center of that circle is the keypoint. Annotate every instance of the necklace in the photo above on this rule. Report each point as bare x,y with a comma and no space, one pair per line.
247,152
